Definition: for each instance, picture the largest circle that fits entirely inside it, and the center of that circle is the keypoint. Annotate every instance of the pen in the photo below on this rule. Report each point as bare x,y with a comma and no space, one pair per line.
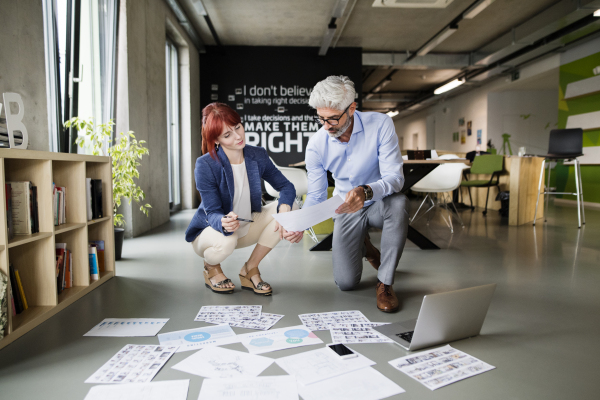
241,219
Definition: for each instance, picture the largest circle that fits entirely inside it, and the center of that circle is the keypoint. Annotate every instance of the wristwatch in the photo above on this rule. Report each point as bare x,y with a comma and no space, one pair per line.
368,192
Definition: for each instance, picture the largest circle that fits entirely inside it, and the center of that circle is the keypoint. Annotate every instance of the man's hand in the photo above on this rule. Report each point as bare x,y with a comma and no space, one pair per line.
230,222
355,200
292,237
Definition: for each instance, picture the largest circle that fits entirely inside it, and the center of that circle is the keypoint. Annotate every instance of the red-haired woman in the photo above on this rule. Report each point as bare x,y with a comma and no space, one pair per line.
228,177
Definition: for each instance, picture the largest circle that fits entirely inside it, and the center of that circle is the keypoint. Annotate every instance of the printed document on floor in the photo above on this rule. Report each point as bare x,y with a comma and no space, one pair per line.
263,323
440,367
199,338
133,364
233,312
128,327
172,390
362,384
328,320
303,219
316,365
358,333
218,362
262,388
278,339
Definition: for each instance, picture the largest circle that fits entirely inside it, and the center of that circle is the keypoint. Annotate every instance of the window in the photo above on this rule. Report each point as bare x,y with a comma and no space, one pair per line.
80,40
172,70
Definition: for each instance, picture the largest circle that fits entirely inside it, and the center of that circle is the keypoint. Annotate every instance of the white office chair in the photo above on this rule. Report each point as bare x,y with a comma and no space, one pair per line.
445,178
299,179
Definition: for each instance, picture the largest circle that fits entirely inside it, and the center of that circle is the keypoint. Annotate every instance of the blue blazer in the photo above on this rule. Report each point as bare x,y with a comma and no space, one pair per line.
214,181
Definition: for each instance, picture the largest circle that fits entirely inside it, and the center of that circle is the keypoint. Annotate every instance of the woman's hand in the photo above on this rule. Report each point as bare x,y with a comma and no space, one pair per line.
292,237
230,222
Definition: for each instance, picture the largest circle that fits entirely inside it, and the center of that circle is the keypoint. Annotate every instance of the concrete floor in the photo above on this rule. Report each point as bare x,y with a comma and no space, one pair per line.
541,332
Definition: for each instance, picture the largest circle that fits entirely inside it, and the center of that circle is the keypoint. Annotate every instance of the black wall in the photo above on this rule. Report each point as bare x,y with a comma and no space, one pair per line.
269,87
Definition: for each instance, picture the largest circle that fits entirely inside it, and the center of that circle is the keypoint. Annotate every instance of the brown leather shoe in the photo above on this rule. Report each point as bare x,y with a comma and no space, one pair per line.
386,298
373,255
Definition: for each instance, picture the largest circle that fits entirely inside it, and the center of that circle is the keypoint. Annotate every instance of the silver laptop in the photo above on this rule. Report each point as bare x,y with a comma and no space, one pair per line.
444,317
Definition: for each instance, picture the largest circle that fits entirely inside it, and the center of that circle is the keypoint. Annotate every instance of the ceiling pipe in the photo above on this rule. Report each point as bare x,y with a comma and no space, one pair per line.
199,6
185,24
337,12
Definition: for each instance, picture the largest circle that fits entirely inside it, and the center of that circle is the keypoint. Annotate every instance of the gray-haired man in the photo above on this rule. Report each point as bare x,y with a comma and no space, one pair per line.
361,151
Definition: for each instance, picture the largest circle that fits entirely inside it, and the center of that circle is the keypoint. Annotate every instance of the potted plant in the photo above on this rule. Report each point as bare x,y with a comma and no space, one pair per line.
125,153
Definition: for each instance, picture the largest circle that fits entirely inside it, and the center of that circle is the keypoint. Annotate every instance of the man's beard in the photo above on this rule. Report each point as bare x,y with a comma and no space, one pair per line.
340,131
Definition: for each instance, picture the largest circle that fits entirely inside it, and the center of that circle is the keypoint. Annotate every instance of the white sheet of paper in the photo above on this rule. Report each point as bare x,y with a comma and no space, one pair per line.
301,220
278,339
133,364
315,365
362,384
325,321
358,333
199,338
440,367
228,311
172,390
218,362
262,388
263,323
128,327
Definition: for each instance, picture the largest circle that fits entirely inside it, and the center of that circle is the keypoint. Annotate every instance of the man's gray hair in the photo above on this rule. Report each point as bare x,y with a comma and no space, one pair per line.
335,92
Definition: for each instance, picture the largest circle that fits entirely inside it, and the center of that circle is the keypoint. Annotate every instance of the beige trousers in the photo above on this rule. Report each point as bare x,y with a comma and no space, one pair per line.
215,247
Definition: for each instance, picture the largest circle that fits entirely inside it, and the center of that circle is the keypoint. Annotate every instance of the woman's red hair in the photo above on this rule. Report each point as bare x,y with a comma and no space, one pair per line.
215,116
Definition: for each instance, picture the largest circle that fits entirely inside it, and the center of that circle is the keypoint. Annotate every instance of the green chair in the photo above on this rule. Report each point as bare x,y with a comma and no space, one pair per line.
488,165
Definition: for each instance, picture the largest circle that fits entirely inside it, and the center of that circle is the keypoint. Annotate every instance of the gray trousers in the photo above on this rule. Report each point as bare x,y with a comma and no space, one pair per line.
390,215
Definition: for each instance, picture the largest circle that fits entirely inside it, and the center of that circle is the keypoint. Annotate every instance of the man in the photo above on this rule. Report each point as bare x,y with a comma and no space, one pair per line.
361,151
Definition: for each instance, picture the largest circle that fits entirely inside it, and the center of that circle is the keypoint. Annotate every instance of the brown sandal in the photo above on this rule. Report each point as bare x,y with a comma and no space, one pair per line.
217,288
247,283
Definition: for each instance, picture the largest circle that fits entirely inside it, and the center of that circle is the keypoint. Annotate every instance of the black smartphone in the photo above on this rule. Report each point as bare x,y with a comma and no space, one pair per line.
342,351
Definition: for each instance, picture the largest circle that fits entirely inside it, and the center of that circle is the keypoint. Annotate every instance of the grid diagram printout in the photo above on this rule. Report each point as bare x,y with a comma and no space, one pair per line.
133,364
358,333
440,367
231,312
128,327
328,320
264,322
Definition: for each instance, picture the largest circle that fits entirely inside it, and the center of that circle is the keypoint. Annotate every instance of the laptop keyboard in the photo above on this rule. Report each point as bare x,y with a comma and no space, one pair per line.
406,336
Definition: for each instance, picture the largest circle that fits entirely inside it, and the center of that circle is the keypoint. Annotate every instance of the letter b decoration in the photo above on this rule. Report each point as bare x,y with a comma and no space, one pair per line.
14,122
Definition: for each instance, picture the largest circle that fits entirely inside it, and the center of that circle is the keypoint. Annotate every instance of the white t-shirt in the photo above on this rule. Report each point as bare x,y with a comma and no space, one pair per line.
241,197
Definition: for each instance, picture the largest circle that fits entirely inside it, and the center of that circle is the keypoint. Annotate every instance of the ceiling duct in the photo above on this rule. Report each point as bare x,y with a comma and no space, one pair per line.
412,3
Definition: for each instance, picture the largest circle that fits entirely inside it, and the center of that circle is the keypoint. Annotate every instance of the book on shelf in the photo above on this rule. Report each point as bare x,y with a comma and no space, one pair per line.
93,259
88,198
64,270
21,291
34,210
96,194
21,207
59,203
18,302
9,220
99,244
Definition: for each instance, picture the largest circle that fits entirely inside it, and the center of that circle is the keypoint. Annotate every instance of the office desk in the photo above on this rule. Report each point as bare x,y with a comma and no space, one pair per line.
414,171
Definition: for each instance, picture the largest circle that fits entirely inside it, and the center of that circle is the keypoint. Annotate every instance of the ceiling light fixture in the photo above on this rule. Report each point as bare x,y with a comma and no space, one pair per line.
392,114
437,39
597,13
449,86
478,7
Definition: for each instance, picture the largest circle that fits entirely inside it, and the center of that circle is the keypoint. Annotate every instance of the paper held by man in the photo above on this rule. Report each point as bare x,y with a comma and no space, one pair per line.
303,219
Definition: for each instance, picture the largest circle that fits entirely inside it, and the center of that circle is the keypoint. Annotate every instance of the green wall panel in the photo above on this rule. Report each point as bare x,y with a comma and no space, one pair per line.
564,175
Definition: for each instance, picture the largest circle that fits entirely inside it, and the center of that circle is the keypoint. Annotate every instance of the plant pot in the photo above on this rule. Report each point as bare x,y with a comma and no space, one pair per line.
119,236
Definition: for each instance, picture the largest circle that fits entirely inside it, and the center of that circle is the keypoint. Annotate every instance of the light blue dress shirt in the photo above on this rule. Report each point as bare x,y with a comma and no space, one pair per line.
371,157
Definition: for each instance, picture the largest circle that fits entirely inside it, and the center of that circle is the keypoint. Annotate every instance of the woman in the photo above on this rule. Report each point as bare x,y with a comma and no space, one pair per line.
228,177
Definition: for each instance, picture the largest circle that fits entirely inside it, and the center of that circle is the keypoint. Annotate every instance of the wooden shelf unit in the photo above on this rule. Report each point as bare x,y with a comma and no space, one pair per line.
34,255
